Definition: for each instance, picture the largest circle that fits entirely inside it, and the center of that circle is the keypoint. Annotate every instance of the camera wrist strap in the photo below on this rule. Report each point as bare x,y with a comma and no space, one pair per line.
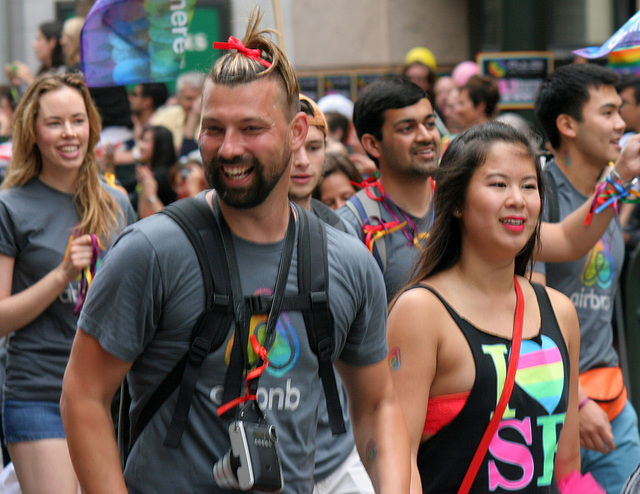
239,359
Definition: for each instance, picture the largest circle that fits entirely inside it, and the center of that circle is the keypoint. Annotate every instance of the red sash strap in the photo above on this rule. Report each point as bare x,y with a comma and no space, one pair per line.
504,397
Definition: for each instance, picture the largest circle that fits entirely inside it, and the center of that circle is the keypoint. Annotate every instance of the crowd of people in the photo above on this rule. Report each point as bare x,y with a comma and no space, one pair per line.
464,288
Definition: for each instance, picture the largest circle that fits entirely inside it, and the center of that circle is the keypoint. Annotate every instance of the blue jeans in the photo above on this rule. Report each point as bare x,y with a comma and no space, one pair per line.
31,420
612,470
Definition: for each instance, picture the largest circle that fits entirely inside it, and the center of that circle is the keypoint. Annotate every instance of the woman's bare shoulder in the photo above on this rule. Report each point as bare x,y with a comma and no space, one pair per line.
418,312
565,313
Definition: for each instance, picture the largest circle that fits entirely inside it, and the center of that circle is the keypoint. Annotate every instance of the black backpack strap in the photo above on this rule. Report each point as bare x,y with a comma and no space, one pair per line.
213,324
211,328
196,219
313,279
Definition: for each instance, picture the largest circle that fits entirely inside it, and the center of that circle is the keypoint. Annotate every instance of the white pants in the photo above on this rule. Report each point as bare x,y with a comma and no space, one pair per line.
349,478
8,480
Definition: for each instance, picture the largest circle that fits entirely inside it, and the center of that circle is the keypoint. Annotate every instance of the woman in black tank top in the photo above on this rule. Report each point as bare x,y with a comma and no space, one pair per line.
453,333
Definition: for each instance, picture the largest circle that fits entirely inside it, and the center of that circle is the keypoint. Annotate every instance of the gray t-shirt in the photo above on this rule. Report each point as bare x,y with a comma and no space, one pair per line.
590,282
402,254
35,224
331,451
153,278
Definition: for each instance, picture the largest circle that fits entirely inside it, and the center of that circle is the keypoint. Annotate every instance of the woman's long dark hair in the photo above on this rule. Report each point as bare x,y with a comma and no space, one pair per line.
465,154
52,30
164,152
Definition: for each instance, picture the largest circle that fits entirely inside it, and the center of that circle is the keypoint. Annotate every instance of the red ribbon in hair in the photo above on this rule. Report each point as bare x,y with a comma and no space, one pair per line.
236,44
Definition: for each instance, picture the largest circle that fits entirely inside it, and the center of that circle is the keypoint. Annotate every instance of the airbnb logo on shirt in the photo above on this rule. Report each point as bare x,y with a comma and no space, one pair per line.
275,398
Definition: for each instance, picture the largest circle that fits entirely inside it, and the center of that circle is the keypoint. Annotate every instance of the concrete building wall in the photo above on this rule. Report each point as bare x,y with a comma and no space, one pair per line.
376,33
334,34
440,26
19,21
4,40
25,16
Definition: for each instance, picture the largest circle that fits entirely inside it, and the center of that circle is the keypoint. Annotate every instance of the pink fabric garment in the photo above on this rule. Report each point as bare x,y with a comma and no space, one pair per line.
441,410
576,483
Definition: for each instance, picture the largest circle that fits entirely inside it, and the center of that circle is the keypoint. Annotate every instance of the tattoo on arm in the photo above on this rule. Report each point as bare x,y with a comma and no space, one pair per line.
371,451
395,363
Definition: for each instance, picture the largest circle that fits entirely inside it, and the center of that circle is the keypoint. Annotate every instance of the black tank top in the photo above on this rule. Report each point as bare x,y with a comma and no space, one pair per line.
521,456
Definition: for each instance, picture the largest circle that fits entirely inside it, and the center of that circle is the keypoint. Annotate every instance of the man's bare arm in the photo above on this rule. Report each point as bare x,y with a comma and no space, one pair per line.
378,426
91,379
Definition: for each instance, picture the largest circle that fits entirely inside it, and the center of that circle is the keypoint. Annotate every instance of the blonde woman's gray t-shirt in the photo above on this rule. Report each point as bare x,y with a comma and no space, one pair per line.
35,224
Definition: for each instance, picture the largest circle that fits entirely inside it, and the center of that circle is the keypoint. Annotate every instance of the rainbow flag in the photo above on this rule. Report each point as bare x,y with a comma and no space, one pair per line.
497,69
134,41
625,37
625,61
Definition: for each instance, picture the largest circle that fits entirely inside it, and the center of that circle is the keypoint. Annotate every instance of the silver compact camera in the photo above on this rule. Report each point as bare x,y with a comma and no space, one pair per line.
252,462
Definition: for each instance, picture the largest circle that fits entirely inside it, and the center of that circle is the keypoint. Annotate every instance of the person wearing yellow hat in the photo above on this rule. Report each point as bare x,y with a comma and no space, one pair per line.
420,68
422,55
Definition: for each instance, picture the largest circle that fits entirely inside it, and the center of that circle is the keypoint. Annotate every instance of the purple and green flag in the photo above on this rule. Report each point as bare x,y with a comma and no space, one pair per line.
622,49
134,41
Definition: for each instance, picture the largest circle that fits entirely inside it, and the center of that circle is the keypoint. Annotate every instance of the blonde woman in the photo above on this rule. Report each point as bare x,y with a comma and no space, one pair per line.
51,201
70,41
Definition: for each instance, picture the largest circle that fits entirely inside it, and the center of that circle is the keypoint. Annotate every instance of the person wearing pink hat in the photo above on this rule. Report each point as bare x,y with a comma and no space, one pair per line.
464,71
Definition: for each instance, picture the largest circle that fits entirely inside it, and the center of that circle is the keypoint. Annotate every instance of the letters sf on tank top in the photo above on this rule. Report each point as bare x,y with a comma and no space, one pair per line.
521,456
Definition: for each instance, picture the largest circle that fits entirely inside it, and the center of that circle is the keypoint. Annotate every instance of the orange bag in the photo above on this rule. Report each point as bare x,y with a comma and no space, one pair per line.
605,386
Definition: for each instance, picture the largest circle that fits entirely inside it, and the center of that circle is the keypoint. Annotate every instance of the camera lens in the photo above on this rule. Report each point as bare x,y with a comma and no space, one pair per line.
224,471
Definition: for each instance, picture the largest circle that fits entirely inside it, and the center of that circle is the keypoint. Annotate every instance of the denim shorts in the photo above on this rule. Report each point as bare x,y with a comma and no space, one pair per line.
31,420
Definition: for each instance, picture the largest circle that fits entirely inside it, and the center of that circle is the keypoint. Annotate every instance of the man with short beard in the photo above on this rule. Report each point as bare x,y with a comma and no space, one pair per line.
396,125
251,126
395,122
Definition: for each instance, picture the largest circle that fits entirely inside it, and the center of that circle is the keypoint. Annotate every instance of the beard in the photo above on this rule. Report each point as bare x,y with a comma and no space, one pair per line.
420,167
255,193
423,170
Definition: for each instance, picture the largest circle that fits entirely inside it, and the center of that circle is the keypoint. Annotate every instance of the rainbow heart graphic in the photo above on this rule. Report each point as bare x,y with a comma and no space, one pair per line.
541,373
